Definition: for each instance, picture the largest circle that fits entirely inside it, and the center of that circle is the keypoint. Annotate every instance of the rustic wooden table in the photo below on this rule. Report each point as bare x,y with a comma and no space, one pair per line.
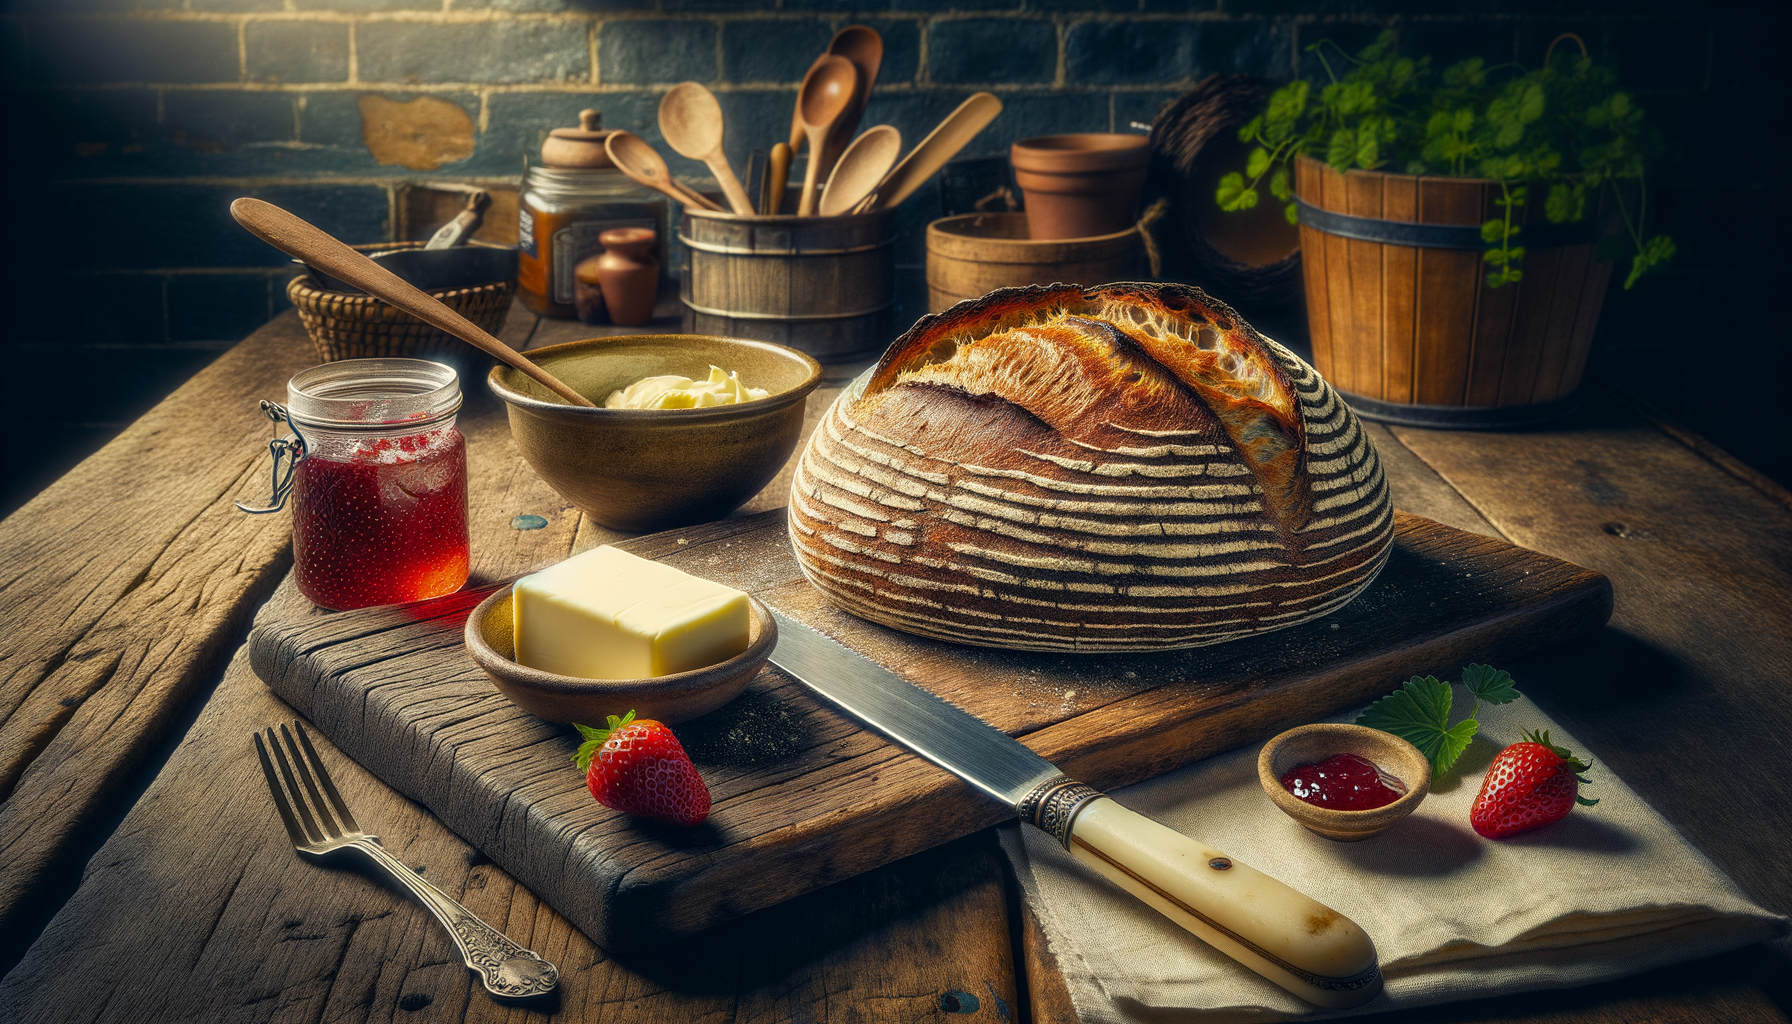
143,876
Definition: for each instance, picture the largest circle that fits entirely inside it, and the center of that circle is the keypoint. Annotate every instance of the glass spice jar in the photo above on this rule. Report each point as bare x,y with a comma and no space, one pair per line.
566,204
377,473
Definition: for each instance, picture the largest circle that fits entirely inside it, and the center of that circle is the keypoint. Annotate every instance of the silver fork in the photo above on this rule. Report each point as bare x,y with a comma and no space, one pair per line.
324,825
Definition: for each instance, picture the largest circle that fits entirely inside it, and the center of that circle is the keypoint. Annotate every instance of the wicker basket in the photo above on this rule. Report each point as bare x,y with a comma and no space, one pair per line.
351,325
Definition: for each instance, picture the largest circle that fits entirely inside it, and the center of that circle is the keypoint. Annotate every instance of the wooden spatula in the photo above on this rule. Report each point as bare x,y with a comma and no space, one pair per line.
295,236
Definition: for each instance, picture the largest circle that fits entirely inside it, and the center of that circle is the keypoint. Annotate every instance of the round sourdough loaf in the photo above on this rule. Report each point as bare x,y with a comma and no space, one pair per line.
1123,468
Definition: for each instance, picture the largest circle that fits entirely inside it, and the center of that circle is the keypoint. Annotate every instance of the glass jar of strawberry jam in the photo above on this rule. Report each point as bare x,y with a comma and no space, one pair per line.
377,473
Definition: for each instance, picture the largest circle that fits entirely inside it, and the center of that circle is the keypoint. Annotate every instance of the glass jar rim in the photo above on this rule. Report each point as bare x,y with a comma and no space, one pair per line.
382,394
584,183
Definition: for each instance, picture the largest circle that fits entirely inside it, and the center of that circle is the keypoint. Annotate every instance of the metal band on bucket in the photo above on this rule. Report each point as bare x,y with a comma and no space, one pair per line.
1543,235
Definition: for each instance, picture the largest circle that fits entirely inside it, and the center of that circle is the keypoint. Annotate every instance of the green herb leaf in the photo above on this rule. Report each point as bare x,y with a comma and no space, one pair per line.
1292,212
1343,147
1257,163
1493,230
1495,686
1278,185
1233,195
1654,253
1419,713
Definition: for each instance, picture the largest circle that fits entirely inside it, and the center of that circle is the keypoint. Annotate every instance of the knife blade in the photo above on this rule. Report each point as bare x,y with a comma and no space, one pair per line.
1290,939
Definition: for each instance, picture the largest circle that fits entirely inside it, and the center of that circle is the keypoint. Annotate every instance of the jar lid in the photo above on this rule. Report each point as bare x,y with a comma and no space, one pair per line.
578,147
384,395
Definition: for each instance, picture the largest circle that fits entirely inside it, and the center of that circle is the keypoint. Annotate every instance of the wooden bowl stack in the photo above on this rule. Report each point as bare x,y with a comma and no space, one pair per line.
355,325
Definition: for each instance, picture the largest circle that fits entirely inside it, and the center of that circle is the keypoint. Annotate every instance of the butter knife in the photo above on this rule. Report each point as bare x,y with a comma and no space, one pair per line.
1288,938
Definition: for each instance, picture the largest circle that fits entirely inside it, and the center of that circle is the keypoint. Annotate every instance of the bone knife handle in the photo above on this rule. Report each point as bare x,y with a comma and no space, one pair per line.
1289,938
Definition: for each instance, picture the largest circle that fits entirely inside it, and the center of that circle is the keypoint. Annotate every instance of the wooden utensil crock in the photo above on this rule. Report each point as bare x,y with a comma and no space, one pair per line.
823,285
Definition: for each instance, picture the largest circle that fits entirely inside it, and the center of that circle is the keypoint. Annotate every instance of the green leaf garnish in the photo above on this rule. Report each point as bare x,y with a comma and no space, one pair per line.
1419,713
1490,684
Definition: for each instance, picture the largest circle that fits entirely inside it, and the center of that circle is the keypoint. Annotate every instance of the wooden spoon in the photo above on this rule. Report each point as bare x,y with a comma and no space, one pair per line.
691,121
297,237
940,145
861,167
826,93
777,169
865,48
636,157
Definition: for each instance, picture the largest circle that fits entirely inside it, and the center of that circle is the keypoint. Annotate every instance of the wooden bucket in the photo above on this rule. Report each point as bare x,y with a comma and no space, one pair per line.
822,285
1401,317
974,254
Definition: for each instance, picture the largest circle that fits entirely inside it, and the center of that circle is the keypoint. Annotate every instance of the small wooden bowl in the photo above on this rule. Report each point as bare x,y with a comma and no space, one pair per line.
491,640
1308,743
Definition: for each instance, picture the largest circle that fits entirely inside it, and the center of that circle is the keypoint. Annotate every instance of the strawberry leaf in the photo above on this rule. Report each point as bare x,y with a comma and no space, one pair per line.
594,739
1419,713
1487,683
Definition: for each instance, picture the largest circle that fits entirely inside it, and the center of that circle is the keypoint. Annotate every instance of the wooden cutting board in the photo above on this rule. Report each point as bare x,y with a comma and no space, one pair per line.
802,795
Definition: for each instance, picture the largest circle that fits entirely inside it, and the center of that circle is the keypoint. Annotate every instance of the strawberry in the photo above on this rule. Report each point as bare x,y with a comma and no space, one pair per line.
1529,785
639,768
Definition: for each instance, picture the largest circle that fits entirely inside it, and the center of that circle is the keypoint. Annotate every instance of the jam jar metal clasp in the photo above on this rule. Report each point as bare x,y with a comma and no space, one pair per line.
291,449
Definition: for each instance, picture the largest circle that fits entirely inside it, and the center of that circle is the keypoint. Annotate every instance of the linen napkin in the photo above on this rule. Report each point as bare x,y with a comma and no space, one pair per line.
1609,891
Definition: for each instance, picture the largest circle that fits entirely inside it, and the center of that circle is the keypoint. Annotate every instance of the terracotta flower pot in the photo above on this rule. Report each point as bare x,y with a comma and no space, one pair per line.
1080,186
1399,310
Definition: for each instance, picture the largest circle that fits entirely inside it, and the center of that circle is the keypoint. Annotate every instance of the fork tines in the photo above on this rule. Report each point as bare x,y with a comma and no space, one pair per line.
295,787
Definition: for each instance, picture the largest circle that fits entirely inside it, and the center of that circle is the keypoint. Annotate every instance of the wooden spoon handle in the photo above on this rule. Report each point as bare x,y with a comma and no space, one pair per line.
691,197
737,196
806,202
297,237
940,145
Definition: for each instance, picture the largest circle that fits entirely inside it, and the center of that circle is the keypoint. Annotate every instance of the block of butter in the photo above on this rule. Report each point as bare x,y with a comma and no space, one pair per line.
607,614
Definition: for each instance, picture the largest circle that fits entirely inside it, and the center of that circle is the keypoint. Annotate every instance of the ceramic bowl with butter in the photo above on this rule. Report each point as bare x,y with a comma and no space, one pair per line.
1395,758
655,469
678,697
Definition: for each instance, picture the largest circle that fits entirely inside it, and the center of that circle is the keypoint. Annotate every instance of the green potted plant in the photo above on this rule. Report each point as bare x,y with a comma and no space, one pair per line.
1458,230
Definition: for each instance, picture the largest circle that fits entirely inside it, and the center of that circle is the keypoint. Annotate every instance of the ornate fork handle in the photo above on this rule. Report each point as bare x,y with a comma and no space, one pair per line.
506,968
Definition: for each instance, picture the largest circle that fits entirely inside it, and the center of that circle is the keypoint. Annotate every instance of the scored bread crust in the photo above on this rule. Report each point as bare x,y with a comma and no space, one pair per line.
1127,467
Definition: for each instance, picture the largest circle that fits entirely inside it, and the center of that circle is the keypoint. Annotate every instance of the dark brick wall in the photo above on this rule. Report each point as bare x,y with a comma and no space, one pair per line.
133,123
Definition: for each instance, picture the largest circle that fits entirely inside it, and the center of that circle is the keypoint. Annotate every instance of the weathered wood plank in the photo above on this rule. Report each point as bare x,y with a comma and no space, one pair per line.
121,584
827,800
121,588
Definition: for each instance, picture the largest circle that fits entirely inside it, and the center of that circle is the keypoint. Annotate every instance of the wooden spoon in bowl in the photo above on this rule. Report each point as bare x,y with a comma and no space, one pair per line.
636,157
861,167
297,237
691,121
825,95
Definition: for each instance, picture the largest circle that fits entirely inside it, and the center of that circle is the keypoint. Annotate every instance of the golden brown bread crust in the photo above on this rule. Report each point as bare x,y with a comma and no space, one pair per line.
1129,467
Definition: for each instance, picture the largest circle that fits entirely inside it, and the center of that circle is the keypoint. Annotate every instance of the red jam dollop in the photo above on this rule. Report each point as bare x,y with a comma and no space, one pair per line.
1343,782
383,522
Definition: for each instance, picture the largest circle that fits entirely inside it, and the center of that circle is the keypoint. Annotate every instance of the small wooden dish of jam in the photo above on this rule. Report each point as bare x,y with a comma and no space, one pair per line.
1387,778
